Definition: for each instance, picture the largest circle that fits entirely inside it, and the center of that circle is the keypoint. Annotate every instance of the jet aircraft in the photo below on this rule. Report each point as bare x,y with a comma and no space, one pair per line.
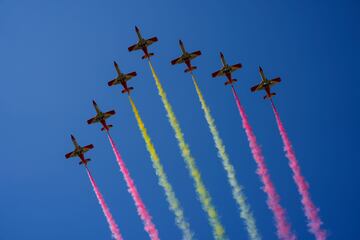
186,58
101,118
122,79
226,70
79,151
266,85
143,44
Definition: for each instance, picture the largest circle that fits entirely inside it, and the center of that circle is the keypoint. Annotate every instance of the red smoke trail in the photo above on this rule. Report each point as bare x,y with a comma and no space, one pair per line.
142,211
283,227
112,224
311,211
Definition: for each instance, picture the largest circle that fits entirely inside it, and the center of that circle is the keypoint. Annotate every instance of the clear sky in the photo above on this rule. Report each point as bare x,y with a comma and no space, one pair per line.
56,56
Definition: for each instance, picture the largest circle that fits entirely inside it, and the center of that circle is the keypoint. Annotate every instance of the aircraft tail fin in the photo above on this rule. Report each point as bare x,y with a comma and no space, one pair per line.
128,90
147,56
86,161
190,69
271,95
108,127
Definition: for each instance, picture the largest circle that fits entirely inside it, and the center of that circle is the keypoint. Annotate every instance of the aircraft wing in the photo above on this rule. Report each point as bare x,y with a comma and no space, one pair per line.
177,60
109,114
88,147
195,54
275,81
217,73
70,155
151,41
236,66
134,47
93,120
130,76
113,82
257,87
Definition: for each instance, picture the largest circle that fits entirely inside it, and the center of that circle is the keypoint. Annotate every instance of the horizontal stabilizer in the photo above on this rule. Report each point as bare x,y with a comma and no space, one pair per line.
108,127
230,82
128,90
85,161
192,68
271,95
147,56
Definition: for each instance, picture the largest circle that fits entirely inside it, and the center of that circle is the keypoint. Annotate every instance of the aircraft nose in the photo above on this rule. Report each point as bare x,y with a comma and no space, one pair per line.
221,55
115,64
180,42
260,69
94,103
136,28
72,137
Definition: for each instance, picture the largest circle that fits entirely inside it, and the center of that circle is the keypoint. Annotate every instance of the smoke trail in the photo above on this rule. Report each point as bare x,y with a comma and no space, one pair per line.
237,191
163,181
283,227
204,197
311,211
112,224
141,209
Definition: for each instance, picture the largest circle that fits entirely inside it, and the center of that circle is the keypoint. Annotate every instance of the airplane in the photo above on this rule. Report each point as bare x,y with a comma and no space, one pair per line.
186,58
226,70
79,151
266,85
122,79
143,44
101,117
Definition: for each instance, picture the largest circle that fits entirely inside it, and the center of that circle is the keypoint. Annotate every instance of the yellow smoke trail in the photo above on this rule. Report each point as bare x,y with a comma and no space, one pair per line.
205,199
237,191
163,181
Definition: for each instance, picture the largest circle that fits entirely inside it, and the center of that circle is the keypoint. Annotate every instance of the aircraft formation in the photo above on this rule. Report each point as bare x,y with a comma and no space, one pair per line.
283,228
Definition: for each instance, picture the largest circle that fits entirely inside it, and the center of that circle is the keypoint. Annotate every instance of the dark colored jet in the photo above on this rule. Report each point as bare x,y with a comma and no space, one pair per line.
266,85
122,79
226,70
101,118
143,44
186,58
79,151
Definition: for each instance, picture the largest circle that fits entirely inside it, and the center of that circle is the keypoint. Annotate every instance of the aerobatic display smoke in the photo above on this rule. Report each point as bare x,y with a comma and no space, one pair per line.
174,204
237,190
112,224
273,201
311,211
204,197
140,206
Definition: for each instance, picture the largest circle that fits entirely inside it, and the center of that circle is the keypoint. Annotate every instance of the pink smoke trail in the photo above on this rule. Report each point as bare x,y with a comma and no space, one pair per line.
311,211
283,227
112,224
141,209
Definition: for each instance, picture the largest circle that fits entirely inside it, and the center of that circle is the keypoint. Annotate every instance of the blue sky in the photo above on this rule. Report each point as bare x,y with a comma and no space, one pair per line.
56,56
